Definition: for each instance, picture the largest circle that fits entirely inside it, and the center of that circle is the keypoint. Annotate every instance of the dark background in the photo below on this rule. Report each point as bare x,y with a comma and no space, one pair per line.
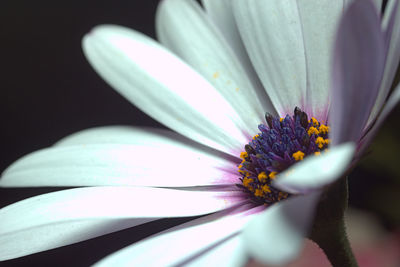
48,91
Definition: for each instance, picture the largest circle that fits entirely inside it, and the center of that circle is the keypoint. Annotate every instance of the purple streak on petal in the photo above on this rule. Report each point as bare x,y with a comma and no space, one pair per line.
358,63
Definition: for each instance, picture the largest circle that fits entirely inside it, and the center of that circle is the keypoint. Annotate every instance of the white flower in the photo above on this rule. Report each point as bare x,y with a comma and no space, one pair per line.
141,175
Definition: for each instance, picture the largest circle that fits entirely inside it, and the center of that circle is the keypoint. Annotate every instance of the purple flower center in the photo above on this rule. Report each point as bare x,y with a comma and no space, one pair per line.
280,144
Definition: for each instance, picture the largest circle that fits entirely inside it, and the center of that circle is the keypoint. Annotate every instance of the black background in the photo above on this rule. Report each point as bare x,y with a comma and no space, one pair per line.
48,90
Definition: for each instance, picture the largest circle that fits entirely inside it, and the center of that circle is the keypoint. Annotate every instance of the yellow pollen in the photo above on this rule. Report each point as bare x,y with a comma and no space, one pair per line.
282,195
256,136
247,181
314,121
320,142
262,177
312,130
327,141
281,119
323,129
272,175
243,155
317,153
258,193
266,189
216,75
298,155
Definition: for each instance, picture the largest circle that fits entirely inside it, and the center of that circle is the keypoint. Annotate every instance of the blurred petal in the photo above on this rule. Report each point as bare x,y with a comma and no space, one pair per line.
184,27
160,164
358,64
390,104
271,32
178,245
314,172
276,235
319,21
391,26
163,86
65,217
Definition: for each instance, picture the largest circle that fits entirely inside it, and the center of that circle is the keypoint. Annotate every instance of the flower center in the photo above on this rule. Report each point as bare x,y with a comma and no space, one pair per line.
280,144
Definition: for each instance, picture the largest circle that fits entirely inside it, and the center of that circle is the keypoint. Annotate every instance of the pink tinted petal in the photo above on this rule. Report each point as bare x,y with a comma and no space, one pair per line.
157,164
180,244
357,71
69,216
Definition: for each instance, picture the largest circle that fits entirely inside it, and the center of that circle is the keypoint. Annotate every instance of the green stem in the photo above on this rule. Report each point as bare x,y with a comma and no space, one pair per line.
329,230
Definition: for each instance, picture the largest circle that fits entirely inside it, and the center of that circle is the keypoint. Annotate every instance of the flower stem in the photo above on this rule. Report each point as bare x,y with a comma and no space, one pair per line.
329,230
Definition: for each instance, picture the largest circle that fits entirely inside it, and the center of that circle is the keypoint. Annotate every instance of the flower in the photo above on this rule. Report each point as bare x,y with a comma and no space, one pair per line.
250,57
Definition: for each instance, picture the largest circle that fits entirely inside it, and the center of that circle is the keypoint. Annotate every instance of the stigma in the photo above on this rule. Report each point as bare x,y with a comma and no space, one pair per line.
280,144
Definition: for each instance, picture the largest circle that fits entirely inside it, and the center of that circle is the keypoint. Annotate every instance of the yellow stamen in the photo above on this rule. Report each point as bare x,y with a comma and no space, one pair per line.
256,136
327,141
243,155
281,119
324,129
298,155
320,142
314,121
312,130
258,193
266,189
247,181
262,177
282,195
272,175
317,153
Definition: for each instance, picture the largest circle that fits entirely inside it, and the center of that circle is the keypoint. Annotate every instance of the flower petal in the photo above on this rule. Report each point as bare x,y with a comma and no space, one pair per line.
184,27
314,172
65,217
159,164
271,32
177,245
276,235
163,86
391,26
357,71
390,104
228,253
119,134
221,14
319,20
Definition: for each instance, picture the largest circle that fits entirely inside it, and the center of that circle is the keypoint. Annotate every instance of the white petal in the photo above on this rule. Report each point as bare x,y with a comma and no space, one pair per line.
158,164
314,172
271,32
230,253
163,86
184,28
65,217
220,12
319,21
122,135
391,26
276,235
357,71
178,244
